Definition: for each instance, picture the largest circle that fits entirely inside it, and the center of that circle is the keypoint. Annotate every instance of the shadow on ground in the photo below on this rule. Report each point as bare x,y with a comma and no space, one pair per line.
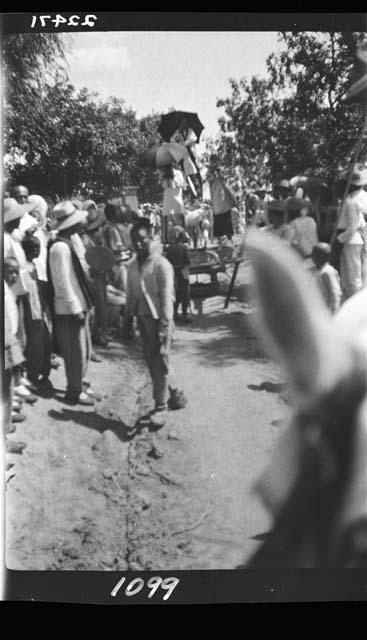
95,421
228,338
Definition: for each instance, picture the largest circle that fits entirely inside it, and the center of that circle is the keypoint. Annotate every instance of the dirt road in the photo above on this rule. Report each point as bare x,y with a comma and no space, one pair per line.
90,494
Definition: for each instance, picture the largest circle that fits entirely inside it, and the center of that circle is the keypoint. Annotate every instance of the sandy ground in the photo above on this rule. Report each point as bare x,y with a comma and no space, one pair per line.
88,493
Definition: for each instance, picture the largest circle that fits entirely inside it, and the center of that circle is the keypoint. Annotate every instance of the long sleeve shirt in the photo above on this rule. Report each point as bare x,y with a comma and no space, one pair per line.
69,299
352,220
305,236
79,249
150,288
41,262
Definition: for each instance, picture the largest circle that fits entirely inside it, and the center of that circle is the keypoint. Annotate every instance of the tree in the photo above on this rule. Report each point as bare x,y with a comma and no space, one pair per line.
31,63
295,119
76,142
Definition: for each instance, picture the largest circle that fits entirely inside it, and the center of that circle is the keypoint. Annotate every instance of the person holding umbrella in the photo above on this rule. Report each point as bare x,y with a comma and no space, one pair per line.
184,128
186,137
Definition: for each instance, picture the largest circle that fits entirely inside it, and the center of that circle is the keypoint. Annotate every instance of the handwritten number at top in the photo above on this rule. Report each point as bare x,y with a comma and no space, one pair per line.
72,21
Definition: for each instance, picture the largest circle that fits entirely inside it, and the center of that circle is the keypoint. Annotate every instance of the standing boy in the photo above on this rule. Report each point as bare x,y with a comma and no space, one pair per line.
150,296
327,277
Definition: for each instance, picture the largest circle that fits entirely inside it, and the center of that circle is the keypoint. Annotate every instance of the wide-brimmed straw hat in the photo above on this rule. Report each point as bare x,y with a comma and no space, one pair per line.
77,204
297,204
14,210
95,219
38,204
66,215
89,203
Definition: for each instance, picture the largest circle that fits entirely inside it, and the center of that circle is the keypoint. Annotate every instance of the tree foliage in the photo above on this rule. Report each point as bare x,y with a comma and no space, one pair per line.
59,140
294,120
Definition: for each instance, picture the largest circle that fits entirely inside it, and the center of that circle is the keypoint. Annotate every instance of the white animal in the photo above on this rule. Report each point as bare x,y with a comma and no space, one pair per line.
316,484
195,223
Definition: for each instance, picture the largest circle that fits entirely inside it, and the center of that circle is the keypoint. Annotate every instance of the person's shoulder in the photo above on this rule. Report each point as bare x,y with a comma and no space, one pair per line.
58,247
328,271
310,221
161,261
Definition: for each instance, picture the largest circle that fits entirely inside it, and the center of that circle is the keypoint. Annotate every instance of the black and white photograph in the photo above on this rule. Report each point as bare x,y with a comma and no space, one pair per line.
184,377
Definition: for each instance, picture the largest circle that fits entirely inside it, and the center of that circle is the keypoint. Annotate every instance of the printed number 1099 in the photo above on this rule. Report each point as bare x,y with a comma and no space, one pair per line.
137,584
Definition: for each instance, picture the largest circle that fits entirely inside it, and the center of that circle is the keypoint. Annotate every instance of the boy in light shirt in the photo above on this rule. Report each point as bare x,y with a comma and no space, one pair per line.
326,276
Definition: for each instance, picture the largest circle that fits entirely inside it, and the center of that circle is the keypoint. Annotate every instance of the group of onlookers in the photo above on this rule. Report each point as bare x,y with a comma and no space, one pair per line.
64,292
341,261
71,284
77,274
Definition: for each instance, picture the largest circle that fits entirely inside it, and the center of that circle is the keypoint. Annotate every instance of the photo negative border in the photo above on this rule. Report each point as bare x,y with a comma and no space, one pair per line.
207,586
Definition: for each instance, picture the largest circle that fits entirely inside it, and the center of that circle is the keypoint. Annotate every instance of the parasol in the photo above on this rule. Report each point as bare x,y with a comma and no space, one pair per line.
170,122
161,155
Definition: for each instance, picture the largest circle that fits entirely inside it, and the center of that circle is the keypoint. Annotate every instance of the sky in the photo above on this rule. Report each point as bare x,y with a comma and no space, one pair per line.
154,71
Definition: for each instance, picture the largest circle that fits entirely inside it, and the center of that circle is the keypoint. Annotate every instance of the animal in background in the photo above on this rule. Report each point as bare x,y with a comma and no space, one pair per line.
196,222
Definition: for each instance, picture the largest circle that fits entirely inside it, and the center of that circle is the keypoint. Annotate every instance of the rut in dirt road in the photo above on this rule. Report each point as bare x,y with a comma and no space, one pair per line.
190,503
102,496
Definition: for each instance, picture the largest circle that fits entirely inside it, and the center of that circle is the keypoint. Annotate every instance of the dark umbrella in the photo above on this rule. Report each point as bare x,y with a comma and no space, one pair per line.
170,122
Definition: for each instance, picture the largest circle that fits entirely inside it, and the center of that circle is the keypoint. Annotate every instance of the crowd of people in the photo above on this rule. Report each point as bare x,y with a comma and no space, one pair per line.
81,273
76,276
334,243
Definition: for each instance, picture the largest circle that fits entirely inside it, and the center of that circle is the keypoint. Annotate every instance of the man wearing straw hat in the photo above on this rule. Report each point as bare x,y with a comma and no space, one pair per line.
352,234
72,301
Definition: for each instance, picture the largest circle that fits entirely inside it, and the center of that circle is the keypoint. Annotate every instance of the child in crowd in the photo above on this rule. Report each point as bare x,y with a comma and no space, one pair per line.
327,277
13,355
37,327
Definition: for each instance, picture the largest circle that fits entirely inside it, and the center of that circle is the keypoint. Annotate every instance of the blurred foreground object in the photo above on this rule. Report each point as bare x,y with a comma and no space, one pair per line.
315,486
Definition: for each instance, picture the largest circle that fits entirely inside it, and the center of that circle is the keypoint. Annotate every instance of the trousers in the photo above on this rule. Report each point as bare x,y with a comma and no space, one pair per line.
7,385
182,287
73,339
351,269
100,297
156,353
